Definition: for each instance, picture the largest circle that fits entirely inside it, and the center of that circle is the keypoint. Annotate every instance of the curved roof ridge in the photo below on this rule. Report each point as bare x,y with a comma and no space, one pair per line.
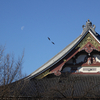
56,58
65,51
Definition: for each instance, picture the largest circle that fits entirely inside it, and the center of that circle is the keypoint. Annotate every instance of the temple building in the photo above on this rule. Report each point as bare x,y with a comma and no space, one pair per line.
72,74
82,56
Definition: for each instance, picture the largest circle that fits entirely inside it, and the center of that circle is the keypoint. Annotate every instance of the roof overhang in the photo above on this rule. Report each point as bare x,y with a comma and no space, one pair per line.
63,53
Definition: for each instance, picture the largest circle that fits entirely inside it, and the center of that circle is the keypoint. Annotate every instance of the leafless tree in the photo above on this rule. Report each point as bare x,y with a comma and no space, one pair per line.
10,71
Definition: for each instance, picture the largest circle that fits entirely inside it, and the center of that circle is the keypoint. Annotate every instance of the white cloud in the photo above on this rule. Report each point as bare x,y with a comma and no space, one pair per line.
22,27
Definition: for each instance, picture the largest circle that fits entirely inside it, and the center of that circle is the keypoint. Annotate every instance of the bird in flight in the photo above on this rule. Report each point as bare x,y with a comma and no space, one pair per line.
53,43
50,40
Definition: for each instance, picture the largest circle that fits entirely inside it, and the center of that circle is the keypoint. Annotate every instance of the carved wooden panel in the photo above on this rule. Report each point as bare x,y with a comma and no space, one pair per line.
89,40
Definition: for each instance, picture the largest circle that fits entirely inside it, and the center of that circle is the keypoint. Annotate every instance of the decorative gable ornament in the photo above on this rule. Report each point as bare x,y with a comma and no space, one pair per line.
88,44
82,56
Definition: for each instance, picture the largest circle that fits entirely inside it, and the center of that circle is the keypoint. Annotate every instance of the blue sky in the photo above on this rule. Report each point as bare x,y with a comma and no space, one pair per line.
26,24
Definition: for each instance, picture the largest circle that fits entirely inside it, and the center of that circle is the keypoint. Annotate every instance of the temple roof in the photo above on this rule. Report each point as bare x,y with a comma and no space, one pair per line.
86,28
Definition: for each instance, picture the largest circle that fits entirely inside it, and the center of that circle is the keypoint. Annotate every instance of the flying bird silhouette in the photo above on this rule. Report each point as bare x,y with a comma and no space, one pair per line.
48,38
53,43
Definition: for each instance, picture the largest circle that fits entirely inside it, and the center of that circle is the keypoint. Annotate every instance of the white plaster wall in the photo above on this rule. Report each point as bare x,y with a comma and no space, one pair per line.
97,58
89,69
80,58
